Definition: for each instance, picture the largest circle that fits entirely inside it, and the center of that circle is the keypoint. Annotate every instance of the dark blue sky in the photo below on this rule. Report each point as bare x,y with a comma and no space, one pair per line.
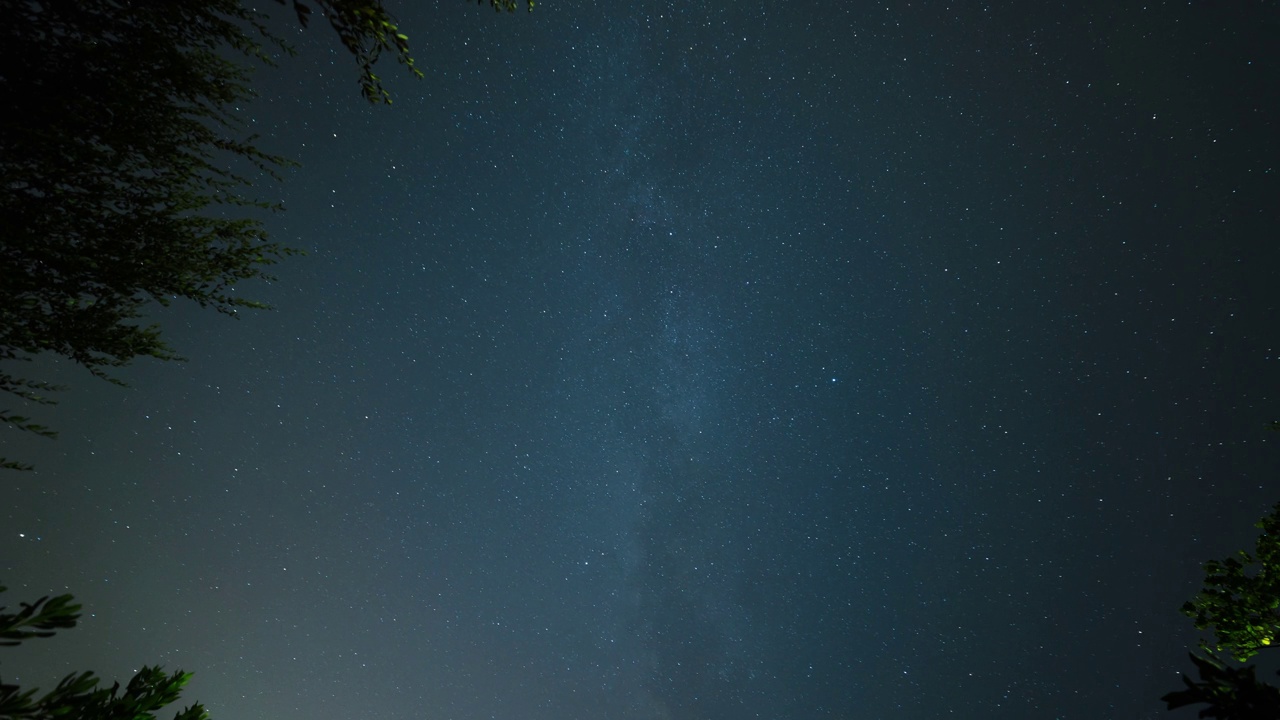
704,361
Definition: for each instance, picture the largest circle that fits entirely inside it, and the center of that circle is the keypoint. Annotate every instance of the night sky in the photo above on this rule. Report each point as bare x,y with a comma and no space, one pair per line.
702,361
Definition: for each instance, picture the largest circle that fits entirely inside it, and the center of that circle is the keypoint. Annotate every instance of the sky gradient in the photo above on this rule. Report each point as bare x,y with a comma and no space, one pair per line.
703,361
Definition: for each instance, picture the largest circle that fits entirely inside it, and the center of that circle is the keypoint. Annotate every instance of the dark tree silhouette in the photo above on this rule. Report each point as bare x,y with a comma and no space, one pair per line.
1230,693
78,695
124,168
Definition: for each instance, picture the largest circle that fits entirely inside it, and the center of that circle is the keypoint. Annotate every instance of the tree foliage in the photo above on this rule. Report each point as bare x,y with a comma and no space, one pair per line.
1240,601
121,177
366,30
124,169
78,696
1230,693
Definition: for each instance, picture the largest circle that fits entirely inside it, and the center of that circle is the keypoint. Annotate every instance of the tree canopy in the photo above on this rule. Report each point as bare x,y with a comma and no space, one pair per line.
1240,604
125,171
78,694
1240,601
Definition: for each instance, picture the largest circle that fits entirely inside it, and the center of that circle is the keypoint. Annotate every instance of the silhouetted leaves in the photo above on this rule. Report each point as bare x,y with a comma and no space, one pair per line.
124,182
122,178
38,619
77,696
366,29
1231,693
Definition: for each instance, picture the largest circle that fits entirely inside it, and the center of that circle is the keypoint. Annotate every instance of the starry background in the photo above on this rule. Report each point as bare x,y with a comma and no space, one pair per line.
703,360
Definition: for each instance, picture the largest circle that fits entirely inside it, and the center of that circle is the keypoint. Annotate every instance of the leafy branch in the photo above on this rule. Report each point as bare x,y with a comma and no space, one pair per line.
1240,601
77,696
